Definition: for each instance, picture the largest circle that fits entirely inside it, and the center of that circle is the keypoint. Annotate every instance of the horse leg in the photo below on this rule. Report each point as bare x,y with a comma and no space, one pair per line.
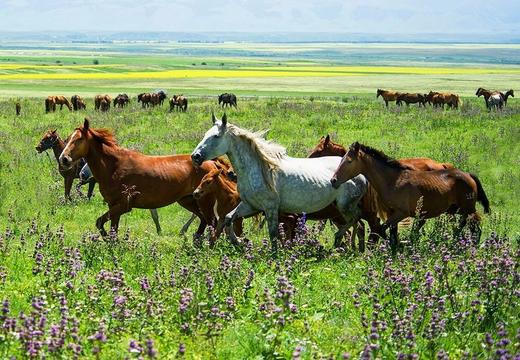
115,213
100,223
68,185
155,217
188,202
91,186
187,225
242,210
271,215
361,235
386,103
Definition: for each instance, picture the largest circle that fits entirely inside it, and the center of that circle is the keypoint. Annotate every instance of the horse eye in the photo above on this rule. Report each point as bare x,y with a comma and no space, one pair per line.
215,136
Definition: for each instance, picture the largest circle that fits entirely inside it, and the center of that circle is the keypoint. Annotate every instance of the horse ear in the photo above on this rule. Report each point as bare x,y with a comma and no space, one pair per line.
355,147
54,131
224,120
86,124
213,118
327,140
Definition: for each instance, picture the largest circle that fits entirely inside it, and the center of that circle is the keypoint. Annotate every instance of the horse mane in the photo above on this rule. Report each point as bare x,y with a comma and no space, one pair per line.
104,136
381,156
269,153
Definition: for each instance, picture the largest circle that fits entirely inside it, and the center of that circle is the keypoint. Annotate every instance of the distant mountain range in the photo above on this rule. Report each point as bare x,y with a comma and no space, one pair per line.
302,37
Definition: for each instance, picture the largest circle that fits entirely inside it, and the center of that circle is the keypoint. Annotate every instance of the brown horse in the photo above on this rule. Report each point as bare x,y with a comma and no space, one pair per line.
99,98
53,100
387,95
508,94
180,102
18,108
128,179
372,208
216,184
104,105
438,99
411,98
77,103
145,99
402,190
51,140
227,99
121,100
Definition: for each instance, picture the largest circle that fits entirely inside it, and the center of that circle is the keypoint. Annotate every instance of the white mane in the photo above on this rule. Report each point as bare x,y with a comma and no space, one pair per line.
269,153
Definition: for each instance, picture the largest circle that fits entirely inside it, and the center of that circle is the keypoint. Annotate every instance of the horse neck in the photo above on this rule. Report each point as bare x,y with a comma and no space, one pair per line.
230,192
57,148
339,150
380,175
243,159
102,160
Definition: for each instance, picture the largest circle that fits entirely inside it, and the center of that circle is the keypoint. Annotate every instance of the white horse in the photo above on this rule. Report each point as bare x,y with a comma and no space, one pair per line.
272,182
496,100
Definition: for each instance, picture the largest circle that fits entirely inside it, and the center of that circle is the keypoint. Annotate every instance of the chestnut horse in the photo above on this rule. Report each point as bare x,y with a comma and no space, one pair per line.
217,184
402,190
99,98
387,95
180,102
371,207
128,179
438,99
51,140
53,100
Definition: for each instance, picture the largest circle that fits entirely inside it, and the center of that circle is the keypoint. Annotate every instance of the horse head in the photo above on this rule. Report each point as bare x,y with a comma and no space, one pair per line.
214,143
77,146
49,139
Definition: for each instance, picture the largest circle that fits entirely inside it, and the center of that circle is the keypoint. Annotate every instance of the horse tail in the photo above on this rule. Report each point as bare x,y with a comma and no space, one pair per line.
459,101
481,195
185,104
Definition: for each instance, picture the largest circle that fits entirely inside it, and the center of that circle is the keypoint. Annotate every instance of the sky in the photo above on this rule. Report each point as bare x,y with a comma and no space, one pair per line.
349,16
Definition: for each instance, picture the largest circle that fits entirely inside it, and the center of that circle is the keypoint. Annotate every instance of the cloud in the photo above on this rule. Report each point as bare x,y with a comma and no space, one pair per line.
366,16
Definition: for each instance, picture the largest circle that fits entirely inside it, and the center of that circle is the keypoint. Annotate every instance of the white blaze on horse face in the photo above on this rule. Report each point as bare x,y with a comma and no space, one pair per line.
66,153
213,144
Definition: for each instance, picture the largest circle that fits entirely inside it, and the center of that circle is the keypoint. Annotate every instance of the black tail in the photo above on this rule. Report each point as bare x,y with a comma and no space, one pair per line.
481,195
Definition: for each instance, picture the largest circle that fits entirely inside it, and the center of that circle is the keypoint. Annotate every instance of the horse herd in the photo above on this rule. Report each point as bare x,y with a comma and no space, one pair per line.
103,102
494,99
347,186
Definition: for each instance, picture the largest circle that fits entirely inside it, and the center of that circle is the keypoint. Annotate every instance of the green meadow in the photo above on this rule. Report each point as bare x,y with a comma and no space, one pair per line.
68,293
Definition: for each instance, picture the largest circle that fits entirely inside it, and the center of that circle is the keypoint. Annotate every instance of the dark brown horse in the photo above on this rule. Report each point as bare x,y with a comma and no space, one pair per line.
507,94
104,105
128,179
77,103
411,98
145,99
99,98
51,140
121,100
403,190
227,99
387,95
180,102
18,108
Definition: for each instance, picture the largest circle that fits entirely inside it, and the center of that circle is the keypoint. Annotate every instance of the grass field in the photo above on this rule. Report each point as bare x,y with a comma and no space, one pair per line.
68,293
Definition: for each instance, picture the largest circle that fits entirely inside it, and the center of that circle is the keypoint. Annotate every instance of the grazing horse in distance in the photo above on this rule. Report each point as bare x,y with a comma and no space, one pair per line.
86,177
508,94
495,101
77,103
217,184
145,99
51,140
371,207
438,99
272,182
411,98
121,100
387,95
161,96
401,189
53,100
227,99
18,108
180,102
99,98
129,179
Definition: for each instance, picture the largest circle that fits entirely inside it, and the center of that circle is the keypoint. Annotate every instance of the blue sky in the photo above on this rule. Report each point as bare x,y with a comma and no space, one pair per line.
360,16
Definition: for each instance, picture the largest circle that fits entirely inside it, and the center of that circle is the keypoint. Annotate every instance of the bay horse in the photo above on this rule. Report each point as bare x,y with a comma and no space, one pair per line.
86,177
227,99
371,207
217,184
269,181
99,98
51,140
387,95
18,108
121,100
411,98
438,99
401,189
129,179
508,94
77,103
145,99
180,102
104,105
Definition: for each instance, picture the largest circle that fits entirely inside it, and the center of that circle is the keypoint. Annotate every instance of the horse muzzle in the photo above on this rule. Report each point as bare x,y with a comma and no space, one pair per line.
197,159
335,183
